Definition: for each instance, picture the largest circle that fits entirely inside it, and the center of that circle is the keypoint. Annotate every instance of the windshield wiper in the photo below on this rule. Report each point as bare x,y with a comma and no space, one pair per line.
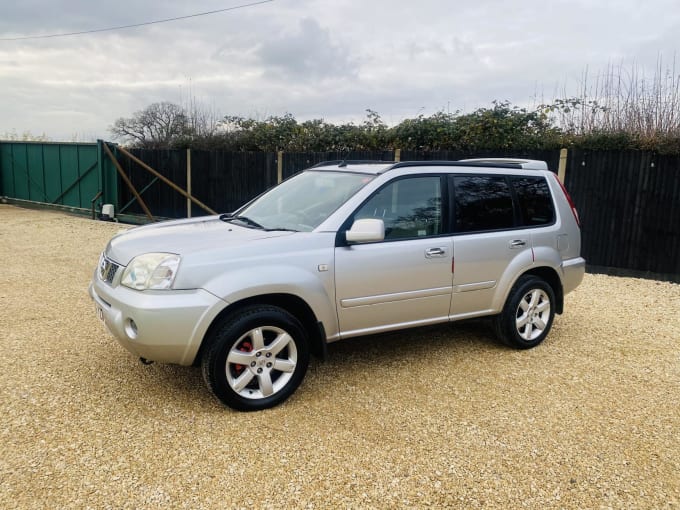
280,229
253,223
243,219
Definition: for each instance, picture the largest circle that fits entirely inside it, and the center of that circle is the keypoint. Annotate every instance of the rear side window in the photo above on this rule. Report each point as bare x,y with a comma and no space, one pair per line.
535,203
482,202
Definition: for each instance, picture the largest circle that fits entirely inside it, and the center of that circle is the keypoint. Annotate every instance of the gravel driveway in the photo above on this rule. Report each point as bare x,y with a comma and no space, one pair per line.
439,417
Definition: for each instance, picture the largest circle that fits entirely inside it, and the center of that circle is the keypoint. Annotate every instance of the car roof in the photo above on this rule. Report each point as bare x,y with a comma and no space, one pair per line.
379,167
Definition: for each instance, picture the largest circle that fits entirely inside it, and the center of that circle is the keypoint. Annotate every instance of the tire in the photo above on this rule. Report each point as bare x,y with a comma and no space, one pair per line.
257,358
527,315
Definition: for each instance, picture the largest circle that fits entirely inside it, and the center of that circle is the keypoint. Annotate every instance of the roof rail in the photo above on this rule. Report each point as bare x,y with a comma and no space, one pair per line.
515,164
481,164
345,162
529,164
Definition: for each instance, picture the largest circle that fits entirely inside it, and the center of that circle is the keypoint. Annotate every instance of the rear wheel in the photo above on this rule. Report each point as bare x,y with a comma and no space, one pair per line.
257,358
528,313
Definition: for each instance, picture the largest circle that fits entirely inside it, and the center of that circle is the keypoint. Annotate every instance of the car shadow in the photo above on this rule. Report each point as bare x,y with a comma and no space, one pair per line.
183,386
406,345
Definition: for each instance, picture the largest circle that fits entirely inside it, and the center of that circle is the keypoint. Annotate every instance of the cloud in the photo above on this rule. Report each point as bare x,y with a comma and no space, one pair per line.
312,58
307,52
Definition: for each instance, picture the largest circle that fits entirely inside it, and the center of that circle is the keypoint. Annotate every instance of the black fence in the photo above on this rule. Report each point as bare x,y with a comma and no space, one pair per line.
551,157
629,201
221,180
227,180
293,162
629,204
161,199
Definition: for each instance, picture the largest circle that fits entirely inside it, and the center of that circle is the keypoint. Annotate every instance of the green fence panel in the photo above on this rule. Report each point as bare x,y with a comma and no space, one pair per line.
6,175
20,166
67,174
90,182
109,177
36,173
52,172
70,174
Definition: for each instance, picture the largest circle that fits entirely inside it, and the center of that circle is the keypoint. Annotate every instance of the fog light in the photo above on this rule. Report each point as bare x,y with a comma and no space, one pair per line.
131,329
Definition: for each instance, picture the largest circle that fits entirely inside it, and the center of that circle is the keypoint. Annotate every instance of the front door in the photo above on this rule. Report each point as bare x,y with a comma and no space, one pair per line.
406,279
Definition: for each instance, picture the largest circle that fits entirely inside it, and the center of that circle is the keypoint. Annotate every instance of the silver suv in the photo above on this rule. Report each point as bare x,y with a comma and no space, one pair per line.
340,250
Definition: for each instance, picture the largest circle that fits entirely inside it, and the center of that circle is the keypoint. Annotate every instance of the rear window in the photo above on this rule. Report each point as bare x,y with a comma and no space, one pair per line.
482,202
535,203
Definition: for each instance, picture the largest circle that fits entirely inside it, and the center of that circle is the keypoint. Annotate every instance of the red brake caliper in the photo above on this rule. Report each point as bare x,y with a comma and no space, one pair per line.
244,347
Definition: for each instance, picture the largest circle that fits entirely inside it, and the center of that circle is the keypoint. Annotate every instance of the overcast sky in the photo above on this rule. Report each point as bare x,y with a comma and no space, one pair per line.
329,59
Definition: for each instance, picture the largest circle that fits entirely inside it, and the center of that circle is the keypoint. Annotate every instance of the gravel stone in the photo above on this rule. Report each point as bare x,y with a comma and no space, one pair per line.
436,417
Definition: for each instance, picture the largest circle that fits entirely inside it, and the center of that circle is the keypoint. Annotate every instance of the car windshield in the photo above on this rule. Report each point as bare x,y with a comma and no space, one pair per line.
303,202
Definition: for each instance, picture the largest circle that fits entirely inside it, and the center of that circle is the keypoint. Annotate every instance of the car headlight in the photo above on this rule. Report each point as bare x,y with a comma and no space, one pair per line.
151,271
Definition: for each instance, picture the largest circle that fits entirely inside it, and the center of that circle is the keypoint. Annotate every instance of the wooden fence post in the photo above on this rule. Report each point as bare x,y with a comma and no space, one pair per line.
126,180
397,155
279,167
562,169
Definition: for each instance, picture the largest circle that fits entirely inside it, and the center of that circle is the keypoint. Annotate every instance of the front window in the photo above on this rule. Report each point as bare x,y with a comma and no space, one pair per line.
305,201
410,207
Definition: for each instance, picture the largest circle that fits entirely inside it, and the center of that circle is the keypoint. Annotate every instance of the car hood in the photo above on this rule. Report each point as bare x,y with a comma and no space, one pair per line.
182,237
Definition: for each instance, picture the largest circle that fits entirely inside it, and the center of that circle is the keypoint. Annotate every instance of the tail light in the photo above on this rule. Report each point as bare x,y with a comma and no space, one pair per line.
569,200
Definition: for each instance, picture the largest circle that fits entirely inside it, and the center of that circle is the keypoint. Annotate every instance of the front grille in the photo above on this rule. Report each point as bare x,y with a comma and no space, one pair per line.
107,270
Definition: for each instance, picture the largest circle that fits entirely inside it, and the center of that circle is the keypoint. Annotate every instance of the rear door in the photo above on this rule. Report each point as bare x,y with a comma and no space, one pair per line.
488,241
405,279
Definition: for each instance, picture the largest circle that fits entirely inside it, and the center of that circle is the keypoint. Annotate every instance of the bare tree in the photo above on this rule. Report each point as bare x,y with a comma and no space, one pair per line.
26,136
623,100
204,120
158,125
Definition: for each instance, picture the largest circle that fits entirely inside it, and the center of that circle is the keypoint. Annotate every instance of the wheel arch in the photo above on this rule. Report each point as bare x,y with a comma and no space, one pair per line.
291,303
552,278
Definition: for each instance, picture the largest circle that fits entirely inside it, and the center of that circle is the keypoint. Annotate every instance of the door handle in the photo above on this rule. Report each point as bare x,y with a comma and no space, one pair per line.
518,243
434,252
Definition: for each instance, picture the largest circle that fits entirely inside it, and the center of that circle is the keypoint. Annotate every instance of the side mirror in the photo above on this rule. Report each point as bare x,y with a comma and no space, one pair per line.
366,231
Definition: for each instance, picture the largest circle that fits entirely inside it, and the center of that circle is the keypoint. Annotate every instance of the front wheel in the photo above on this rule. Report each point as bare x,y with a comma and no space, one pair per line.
256,359
528,313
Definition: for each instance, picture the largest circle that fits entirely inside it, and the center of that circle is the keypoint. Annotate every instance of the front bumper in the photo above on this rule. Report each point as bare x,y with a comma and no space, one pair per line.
166,326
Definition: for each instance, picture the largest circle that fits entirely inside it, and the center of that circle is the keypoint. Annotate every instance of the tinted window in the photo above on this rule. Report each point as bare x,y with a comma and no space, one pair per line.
535,204
409,207
482,203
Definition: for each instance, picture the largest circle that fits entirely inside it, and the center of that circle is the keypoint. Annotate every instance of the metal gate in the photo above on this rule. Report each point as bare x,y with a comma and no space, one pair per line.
67,174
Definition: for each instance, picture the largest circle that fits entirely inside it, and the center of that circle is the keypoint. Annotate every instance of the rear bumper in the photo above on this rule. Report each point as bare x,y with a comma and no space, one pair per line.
572,273
164,326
